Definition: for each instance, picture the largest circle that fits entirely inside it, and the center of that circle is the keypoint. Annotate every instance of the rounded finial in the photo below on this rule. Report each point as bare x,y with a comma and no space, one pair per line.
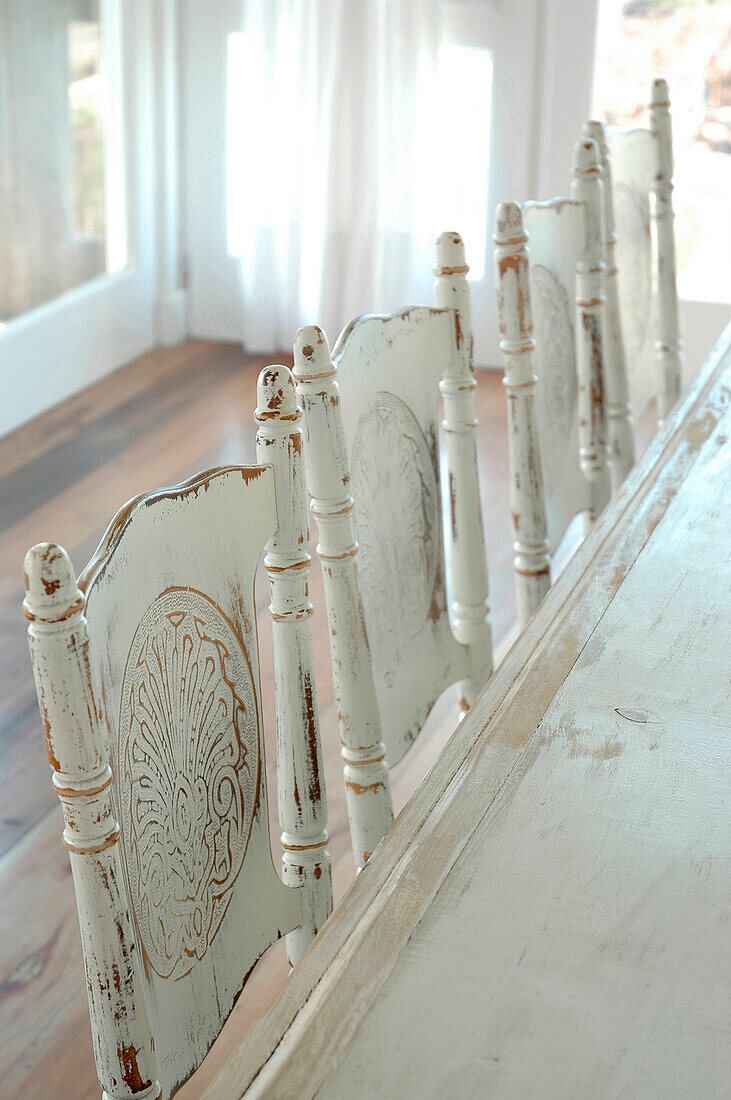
276,396
451,259
508,223
660,96
311,353
594,131
586,156
51,592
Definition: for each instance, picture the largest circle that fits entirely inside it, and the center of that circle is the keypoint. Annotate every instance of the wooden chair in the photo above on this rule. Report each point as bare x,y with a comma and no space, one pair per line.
372,458
558,453
148,684
642,170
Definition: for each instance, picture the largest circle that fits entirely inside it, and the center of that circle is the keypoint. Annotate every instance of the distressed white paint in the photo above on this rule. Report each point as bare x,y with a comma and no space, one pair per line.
586,188
300,776
373,469
546,874
667,334
619,420
555,233
642,162
532,562
389,370
556,416
149,690
73,723
365,771
467,558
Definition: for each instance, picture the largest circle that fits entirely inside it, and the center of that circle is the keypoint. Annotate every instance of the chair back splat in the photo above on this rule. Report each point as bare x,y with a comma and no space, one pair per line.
147,674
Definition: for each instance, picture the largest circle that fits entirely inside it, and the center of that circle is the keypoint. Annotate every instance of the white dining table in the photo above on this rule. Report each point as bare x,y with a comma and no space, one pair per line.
549,915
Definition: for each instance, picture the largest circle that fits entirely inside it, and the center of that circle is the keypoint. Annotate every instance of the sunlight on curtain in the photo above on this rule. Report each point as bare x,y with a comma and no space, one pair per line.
451,190
349,150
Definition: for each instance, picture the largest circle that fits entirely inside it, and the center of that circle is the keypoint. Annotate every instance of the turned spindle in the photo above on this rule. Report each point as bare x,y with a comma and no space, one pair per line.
82,777
365,769
532,562
305,858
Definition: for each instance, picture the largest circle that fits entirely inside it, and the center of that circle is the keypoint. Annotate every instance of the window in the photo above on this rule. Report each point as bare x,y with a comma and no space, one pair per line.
447,152
86,121
689,43
450,184
56,177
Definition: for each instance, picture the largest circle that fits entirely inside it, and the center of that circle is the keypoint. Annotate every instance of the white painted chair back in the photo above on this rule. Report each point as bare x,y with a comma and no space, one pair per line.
642,170
373,471
148,682
551,318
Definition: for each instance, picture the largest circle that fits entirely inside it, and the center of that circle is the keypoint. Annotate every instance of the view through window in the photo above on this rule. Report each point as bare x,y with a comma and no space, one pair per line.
689,43
53,152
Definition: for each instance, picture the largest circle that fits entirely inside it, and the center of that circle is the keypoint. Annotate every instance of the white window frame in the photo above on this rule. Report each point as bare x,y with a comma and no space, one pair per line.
53,351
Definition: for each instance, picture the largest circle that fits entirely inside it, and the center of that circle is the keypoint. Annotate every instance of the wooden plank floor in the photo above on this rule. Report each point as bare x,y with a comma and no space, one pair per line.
152,423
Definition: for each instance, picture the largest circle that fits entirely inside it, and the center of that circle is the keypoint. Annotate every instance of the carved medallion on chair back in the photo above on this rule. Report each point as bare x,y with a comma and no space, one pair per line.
187,775
389,369
173,651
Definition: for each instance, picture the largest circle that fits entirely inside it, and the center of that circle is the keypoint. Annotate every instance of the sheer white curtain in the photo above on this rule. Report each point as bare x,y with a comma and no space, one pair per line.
335,145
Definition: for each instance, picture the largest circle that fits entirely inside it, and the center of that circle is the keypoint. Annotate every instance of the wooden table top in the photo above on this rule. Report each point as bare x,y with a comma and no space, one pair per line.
549,914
